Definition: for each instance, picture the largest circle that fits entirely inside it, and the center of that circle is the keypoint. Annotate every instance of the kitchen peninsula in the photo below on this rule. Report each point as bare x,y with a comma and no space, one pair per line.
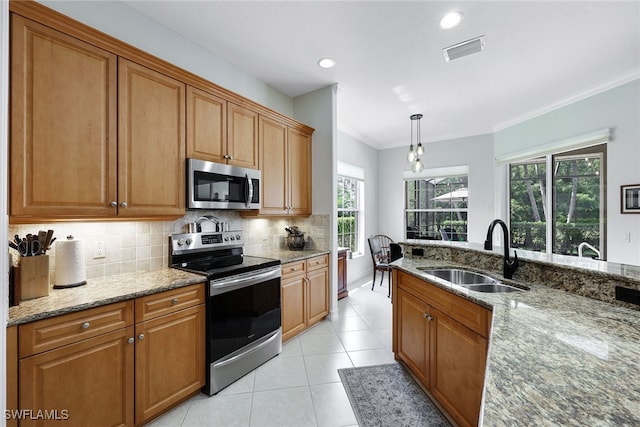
554,357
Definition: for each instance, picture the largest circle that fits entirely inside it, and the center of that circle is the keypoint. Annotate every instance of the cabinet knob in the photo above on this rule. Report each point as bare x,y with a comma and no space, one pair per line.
114,204
85,325
174,301
230,157
141,337
124,204
130,340
426,316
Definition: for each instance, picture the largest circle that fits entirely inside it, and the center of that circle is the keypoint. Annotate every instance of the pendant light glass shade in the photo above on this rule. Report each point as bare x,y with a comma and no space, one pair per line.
417,166
413,156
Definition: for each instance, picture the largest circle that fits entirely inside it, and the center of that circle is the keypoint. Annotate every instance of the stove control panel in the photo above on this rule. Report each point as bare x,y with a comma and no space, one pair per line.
188,242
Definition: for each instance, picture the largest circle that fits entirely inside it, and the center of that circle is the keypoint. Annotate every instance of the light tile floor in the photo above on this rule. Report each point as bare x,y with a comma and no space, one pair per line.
301,387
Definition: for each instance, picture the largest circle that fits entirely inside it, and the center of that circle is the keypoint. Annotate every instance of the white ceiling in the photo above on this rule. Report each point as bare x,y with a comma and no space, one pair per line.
538,55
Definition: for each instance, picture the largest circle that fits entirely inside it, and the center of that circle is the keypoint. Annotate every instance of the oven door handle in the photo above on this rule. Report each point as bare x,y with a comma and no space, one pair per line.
248,279
248,193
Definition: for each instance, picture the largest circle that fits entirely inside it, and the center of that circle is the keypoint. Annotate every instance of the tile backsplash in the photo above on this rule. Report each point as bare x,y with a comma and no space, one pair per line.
143,245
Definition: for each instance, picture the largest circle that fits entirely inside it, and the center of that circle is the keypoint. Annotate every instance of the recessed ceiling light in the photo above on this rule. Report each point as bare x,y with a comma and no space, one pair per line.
326,63
451,20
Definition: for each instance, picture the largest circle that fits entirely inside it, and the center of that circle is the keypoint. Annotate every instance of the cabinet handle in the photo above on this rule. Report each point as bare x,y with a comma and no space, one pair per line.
292,269
124,204
174,301
426,316
141,337
230,157
85,325
114,204
131,340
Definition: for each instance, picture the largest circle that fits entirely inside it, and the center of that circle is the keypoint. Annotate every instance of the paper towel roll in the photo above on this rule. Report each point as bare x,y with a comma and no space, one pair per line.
70,269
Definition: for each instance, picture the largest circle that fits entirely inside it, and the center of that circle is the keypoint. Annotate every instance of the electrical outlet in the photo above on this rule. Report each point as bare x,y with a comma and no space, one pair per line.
99,250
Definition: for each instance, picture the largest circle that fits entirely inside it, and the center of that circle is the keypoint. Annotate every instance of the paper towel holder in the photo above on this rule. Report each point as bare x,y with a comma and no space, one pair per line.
69,285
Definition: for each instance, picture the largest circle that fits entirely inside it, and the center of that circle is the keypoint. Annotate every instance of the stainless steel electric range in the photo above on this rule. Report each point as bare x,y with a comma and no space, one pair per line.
243,308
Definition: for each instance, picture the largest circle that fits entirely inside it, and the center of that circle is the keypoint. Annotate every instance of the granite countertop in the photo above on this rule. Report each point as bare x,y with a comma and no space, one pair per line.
286,255
99,292
554,358
112,289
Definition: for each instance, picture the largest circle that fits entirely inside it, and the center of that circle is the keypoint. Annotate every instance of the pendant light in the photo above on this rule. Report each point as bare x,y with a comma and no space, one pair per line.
413,156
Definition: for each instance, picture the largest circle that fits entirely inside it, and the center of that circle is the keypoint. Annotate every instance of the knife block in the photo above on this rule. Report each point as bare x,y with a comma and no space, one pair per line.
33,276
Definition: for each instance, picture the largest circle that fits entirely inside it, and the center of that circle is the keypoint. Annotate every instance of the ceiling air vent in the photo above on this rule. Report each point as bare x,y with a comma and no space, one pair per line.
463,49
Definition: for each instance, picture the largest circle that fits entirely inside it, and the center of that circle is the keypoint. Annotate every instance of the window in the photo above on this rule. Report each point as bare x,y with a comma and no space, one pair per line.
436,208
350,213
575,204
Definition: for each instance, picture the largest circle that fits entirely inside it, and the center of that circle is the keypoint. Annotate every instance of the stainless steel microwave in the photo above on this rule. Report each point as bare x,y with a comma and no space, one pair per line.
217,186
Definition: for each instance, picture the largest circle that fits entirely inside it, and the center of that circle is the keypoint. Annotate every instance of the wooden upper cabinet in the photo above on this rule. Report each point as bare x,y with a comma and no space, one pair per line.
273,166
242,136
220,131
285,163
299,171
63,124
206,126
151,142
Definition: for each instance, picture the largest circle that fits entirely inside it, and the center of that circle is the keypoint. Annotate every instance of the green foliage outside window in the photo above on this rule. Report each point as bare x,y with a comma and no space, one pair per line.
576,211
348,212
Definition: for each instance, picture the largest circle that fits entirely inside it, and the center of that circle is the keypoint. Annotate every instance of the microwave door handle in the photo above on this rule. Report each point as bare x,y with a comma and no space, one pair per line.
248,190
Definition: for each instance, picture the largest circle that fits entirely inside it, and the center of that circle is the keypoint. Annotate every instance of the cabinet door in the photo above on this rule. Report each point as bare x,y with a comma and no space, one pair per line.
317,295
414,334
151,143
273,165
90,382
242,137
12,373
63,125
293,306
458,359
206,126
342,274
170,360
299,172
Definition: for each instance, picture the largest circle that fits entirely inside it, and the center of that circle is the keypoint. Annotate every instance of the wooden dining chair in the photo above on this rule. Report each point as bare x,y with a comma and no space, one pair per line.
380,247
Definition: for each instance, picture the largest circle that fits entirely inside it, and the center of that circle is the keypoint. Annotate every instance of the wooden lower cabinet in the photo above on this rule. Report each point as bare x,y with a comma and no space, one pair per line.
86,383
12,374
342,273
414,335
457,368
305,294
317,295
293,306
99,368
170,361
443,339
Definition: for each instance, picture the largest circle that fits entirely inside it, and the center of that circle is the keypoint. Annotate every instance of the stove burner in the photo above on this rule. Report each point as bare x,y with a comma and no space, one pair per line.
213,254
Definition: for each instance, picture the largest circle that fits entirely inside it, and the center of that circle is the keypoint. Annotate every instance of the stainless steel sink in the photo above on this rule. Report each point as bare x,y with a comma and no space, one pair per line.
469,280
492,288
458,276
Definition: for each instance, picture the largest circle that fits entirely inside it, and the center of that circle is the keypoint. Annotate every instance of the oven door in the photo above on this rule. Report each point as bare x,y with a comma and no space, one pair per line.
242,309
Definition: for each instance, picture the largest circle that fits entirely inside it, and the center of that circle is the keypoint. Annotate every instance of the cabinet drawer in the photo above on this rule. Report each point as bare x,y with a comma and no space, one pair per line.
155,305
470,314
295,268
54,332
317,262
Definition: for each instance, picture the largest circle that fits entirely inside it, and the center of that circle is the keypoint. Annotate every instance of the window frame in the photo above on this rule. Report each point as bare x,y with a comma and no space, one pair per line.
550,160
440,176
359,214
